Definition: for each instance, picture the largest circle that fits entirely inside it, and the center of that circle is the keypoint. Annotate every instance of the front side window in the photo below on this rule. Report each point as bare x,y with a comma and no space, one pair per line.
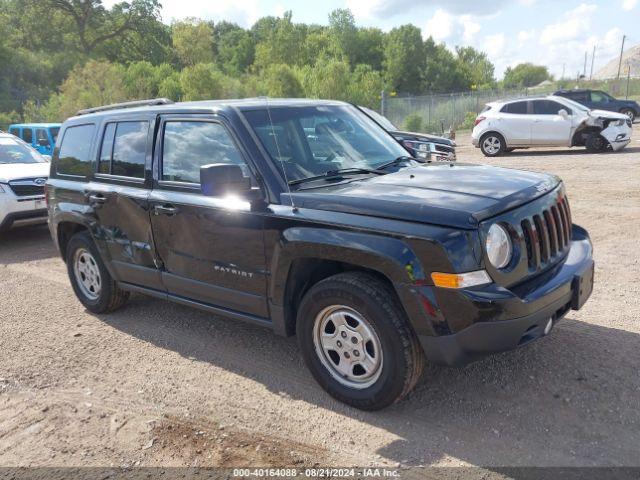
307,141
14,131
13,150
599,97
27,135
547,107
188,145
74,151
515,107
130,149
42,137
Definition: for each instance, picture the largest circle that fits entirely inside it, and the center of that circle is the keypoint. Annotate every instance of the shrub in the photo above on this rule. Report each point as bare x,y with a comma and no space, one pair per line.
413,123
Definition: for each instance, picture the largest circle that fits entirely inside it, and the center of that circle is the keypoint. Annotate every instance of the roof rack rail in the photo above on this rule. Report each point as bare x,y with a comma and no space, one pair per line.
135,103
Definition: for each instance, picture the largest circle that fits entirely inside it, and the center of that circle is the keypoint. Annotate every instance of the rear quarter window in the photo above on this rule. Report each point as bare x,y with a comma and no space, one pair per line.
74,155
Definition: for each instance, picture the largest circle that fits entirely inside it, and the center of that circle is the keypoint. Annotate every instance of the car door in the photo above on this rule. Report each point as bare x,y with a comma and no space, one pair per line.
118,197
515,123
548,127
211,248
601,101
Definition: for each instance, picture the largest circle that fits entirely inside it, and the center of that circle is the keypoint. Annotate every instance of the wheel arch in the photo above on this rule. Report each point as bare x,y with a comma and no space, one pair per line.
494,131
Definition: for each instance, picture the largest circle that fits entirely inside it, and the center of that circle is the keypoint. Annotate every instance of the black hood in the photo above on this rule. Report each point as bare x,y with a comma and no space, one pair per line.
457,195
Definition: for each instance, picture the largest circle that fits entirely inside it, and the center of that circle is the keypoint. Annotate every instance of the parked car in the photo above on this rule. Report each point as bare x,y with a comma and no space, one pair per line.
548,121
41,136
421,145
373,259
599,100
23,173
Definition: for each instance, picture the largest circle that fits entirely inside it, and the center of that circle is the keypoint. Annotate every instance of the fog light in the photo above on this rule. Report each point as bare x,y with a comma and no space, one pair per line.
548,327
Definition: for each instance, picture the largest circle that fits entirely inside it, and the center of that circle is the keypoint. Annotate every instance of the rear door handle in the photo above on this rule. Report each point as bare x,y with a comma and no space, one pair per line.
166,209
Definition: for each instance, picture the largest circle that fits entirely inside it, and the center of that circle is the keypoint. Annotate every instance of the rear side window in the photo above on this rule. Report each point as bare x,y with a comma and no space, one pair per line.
189,145
123,150
73,158
42,137
27,135
578,96
515,107
14,131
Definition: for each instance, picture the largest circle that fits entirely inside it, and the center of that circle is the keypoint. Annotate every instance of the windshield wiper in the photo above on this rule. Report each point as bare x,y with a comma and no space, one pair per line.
397,161
334,174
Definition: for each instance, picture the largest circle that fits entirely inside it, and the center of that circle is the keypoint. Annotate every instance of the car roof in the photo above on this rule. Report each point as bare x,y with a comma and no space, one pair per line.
209,105
36,125
574,90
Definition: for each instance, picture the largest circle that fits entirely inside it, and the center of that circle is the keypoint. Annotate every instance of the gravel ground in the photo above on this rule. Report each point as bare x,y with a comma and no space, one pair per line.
158,384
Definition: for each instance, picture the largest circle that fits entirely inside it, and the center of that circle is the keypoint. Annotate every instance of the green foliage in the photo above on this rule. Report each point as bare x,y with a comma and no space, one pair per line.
525,75
193,41
7,118
201,82
404,59
469,121
281,81
413,123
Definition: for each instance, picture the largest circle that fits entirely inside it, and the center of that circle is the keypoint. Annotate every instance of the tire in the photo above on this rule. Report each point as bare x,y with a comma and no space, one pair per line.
90,279
629,112
596,143
374,317
492,144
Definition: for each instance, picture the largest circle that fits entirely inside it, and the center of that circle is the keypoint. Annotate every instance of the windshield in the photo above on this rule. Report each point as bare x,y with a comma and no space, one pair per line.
576,105
383,121
310,141
15,151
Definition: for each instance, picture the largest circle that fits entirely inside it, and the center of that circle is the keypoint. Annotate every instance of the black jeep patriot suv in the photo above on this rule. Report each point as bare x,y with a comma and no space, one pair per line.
310,219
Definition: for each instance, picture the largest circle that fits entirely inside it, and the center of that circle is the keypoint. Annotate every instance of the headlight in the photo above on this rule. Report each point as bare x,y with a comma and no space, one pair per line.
498,246
620,123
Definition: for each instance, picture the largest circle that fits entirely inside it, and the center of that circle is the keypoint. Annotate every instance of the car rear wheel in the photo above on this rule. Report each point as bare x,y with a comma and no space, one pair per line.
492,144
629,113
90,279
356,341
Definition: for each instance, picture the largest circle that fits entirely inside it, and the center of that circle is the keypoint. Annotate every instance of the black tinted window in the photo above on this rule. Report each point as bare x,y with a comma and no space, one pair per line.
189,145
578,96
104,165
27,135
42,137
14,131
74,151
547,107
129,149
515,107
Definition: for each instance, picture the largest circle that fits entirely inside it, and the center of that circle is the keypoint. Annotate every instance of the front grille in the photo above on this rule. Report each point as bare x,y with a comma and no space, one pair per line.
547,235
445,151
27,187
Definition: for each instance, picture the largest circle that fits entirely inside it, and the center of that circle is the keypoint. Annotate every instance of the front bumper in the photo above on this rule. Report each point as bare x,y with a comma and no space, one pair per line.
618,136
21,211
507,319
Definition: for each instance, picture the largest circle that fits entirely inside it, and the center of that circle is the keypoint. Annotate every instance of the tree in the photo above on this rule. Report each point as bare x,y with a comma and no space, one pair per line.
283,44
476,67
193,41
365,86
329,78
525,75
281,81
94,25
404,59
235,48
95,83
201,82
344,33
442,70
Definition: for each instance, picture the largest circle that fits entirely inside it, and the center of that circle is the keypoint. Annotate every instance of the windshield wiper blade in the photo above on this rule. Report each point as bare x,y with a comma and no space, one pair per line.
332,174
397,161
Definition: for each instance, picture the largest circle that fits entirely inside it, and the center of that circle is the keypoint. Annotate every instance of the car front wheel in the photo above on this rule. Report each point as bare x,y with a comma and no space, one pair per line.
356,341
90,279
492,144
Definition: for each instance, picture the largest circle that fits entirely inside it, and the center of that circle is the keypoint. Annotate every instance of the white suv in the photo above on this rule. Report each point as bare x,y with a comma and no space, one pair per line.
23,173
548,121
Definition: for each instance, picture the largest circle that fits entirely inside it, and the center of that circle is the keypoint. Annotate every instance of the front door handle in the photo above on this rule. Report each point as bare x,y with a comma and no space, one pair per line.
166,209
97,199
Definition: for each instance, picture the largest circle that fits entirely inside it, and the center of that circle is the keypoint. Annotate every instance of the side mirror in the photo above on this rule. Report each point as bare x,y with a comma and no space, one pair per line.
563,113
220,179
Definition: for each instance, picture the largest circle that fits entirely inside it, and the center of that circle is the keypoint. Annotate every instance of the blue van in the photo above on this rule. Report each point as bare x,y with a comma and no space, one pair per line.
41,136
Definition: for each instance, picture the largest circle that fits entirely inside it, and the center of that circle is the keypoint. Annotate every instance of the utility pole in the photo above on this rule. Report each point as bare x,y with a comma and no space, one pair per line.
584,70
563,65
593,57
621,51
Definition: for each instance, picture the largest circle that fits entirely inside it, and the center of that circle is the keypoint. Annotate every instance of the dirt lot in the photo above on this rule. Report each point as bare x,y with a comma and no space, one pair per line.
160,384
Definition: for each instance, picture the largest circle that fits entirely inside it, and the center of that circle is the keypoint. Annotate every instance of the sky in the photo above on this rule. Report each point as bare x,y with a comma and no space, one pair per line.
552,33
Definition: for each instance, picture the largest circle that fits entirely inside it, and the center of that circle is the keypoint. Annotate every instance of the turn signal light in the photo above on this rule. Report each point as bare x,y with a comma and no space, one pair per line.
460,280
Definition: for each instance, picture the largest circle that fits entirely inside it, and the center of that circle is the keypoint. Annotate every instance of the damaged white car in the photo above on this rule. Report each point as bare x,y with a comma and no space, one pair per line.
548,122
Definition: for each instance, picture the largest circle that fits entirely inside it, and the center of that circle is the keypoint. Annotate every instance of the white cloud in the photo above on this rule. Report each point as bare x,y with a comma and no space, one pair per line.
454,29
526,35
527,3
629,4
244,13
574,23
439,26
389,8
494,44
